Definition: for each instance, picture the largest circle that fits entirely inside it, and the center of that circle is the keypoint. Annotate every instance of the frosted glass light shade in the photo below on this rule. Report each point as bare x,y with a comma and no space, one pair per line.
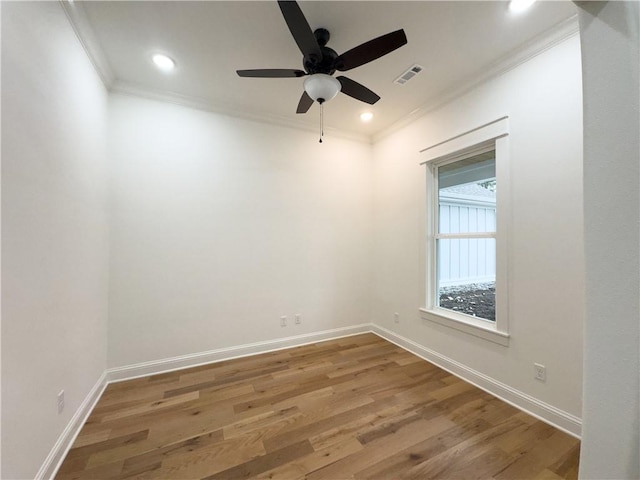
320,86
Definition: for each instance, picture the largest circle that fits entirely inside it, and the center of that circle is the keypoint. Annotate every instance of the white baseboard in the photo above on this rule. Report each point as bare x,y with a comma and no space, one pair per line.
560,419
59,451
155,367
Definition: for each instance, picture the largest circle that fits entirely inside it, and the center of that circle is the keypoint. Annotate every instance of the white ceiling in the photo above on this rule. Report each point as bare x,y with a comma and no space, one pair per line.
457,43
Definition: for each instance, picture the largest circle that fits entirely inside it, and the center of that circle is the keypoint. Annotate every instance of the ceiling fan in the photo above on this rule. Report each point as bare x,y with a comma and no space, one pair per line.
321,62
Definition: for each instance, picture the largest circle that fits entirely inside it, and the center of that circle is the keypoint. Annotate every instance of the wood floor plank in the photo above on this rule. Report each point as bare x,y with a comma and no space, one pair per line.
267,423
212,459
380,448
529,464
151,407
113,395
319,458
413,455
547,474
108,471
357,407
316,422
223,380
567,465
151,461
266,462
465,453
90,438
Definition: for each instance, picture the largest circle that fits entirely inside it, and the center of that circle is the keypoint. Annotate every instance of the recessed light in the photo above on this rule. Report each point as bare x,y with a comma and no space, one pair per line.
517,6
163,62
366,116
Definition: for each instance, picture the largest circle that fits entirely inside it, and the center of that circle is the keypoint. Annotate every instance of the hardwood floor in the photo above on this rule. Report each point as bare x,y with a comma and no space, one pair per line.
357,407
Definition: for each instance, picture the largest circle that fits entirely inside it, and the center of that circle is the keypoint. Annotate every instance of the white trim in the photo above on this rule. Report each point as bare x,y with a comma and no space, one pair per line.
555,417
493,135
87,38
540,44
1,310
460,199
504,223
450,236
180,362
455,282
467,324
475,141
60,449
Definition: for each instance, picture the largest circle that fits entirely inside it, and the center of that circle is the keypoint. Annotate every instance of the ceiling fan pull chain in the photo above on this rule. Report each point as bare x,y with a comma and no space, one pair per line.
321,121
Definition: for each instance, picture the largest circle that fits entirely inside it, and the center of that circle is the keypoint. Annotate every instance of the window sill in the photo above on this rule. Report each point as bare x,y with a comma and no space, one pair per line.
467,324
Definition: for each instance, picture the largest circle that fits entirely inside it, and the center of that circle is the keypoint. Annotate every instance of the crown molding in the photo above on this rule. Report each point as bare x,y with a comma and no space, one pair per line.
131,89
87,37
539,44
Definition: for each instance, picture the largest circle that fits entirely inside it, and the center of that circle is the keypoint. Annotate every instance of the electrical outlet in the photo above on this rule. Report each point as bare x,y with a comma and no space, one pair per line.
61,401
283,321
540,371
396,317
298,321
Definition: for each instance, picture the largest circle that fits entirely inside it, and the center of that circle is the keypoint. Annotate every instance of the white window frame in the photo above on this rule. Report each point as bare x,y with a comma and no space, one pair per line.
491,136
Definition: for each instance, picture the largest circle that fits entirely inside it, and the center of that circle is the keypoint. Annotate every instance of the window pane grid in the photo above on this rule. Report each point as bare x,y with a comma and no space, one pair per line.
439,236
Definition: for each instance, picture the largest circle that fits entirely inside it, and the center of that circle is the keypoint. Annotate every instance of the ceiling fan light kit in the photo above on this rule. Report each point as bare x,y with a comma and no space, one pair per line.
321,62
321,87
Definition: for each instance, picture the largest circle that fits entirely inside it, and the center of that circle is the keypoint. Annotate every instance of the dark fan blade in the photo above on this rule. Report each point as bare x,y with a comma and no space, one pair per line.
357,91
271,73
300,29
370,50
305,103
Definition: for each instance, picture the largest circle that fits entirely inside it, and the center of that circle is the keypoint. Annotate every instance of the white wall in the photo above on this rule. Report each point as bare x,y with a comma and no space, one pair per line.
611,445
543,100
54,228
222,225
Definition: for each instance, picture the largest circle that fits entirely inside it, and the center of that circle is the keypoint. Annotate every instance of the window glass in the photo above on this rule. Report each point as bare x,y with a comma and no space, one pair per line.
466,263
467,276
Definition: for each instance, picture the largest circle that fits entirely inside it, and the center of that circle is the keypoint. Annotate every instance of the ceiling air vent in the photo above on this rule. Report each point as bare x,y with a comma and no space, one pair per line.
409,74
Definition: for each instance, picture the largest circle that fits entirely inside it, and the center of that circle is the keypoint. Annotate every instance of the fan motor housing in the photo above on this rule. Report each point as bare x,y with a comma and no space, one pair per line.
327,63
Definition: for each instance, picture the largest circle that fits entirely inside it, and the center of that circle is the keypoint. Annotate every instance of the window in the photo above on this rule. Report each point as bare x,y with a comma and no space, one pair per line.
467,225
